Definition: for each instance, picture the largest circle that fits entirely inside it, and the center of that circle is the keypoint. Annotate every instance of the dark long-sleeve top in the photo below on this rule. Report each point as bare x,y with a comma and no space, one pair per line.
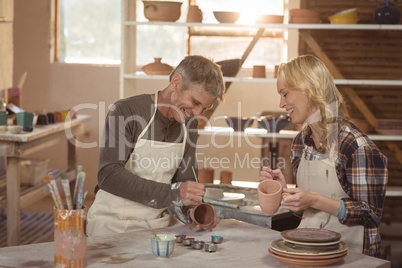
363,175
125,121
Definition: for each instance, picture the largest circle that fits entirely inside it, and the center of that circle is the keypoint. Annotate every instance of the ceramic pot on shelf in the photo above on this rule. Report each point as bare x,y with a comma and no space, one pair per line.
387,13
157,68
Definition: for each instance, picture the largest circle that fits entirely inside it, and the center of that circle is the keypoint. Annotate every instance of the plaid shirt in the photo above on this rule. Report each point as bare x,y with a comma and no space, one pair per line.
363,175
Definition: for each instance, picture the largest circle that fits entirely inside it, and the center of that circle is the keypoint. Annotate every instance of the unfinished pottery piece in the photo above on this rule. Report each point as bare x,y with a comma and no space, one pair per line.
203,215
157,68
269,194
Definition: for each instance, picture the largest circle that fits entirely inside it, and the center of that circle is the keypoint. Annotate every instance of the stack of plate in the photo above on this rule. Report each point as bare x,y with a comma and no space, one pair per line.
309,247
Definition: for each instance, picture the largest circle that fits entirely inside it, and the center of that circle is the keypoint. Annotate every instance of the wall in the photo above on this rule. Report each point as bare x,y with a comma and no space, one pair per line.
53,87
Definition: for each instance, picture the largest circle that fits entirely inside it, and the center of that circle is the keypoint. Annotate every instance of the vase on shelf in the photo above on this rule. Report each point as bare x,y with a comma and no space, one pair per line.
387,13
157,68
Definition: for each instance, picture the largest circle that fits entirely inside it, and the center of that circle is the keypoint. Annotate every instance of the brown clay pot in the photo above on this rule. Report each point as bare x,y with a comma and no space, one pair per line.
206,175
226,177
157,68
204,215
162,10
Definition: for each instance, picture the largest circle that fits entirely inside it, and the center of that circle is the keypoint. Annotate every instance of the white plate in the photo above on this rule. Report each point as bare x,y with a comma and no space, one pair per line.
233,198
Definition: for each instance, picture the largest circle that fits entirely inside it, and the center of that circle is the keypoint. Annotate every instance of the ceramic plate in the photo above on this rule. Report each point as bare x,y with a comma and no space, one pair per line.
298,246
307,257
303,262
233,198
279,245
311,243
311,235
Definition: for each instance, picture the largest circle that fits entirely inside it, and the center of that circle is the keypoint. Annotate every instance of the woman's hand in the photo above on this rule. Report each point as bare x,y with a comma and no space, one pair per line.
297,199
273,174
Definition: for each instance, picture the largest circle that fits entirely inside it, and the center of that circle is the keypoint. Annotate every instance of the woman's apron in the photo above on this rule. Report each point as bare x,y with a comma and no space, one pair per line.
320,176
113,214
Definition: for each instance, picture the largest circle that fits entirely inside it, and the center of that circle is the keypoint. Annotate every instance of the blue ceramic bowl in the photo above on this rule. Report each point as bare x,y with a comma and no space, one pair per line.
273,124
164,246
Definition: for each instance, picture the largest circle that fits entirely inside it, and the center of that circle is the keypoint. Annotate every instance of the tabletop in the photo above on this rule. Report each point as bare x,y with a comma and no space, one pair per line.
244,245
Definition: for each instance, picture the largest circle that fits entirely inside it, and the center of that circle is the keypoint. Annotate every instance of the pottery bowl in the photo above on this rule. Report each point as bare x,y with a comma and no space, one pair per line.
229,67
337,20
164,246
345,14
162,10
3,128
270,19
226,16
15,129
239,123
273,124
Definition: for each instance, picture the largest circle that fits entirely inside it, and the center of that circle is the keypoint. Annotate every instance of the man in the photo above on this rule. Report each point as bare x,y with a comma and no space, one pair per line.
148,153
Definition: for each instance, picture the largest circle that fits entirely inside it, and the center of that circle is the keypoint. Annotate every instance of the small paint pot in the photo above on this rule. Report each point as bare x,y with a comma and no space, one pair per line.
180,238
210,247
197,244
187,241
216,239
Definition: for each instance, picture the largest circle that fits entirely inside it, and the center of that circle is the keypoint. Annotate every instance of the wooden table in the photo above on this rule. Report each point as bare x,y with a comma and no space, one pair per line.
23,144
244,245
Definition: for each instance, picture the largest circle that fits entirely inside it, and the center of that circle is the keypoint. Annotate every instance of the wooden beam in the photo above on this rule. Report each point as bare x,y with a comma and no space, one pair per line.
349,91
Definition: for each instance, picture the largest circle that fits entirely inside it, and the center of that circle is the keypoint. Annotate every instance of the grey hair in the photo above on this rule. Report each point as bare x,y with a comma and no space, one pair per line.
200,70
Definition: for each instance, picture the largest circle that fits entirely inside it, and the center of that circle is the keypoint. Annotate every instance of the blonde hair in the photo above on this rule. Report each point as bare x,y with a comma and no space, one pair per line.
309,75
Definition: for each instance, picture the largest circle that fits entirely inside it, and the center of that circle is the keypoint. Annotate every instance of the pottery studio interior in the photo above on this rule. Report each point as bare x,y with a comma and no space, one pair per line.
150,110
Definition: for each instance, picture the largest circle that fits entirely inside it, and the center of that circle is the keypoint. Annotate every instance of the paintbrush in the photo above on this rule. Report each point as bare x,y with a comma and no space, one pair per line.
77,182
152,230
47,180
56,189
80,195
66,187
196,179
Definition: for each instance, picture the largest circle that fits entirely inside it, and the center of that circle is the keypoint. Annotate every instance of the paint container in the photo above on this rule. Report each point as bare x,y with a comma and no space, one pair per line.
197,244
70,240
210,247
187,241
216,239
180,238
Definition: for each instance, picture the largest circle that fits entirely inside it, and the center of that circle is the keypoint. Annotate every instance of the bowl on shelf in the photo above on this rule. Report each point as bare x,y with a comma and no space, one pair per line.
157,68
229,67
348,16
273,123
14,129
226,16
270,19
162,10
304,20
239,123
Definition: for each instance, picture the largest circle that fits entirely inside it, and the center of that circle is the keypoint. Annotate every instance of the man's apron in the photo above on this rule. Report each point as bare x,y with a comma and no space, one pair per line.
113,214
320,176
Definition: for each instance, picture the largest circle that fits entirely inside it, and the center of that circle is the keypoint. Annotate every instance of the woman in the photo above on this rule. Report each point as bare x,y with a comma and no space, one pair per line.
340,173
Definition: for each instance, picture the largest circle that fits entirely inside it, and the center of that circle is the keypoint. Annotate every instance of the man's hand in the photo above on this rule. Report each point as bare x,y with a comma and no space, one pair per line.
191,193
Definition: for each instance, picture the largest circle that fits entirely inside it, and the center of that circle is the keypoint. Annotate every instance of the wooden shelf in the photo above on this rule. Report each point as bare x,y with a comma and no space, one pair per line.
31,194
142,75
274,26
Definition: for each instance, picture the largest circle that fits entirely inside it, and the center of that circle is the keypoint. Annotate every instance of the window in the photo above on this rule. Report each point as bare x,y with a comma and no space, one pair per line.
169,43
89,31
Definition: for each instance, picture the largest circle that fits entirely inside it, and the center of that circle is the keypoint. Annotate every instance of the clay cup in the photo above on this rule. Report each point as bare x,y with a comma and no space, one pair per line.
269,196
203,215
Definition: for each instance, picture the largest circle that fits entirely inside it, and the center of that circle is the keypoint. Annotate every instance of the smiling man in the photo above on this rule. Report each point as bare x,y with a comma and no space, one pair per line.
148,151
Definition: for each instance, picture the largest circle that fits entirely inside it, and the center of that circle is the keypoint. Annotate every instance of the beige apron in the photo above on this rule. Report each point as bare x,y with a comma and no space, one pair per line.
320,176
152,160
